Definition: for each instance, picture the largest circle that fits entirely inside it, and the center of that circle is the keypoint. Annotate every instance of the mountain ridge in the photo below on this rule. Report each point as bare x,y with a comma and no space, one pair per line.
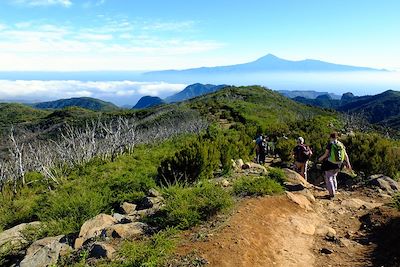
148,101
269,63
82,102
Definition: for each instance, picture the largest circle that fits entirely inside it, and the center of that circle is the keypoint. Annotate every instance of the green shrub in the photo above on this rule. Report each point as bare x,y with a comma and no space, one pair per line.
372,154
197,160
188,206
277,175
151,252
90,189
256,186
284,148
201,158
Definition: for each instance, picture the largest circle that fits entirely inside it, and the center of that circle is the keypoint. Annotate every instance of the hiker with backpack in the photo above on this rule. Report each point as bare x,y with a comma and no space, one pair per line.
332,161
302,153
257,147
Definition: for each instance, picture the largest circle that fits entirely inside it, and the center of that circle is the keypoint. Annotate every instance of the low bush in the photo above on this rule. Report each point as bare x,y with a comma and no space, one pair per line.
201,158
372,153
276,174
188,206
284,148
96,187
256,186
150,252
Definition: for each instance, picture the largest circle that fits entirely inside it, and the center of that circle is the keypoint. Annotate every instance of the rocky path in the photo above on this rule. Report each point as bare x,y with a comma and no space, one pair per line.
299,229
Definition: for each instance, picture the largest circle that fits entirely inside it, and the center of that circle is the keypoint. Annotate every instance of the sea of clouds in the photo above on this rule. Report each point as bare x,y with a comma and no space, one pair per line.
120,92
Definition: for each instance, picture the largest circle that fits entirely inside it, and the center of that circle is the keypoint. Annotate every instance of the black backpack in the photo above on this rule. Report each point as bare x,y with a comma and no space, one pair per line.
264,147
303,153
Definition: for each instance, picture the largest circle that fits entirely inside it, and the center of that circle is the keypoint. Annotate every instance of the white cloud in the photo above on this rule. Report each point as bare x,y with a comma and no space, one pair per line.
109,44
56,89
34,3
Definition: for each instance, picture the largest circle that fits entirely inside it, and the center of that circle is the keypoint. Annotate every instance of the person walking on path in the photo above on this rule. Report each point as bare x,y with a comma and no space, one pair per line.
257,147
302,153
332,160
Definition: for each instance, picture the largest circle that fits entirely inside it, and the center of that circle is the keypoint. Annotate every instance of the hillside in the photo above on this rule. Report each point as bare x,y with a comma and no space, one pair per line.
148,102
82,102
309,94
382,109
131,187
192,91
12,113
254,105
322,101
376,108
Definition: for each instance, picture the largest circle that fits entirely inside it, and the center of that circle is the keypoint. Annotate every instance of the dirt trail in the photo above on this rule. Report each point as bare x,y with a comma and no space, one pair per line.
275,231
268,231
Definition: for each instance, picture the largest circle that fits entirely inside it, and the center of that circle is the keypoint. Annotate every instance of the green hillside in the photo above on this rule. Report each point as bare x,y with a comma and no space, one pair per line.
183,165
12,113
377,108
82,102
265,109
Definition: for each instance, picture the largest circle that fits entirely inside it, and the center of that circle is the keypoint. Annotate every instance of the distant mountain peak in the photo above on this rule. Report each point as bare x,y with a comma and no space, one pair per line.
193,90
269,57
148,101
267,63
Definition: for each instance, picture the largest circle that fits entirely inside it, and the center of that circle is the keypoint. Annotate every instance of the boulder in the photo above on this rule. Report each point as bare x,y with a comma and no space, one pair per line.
258,168
308,194
225,183
246,166
126,231
123,218
355,203
101,250
13,240
139,214
154,193
323,230
295,178
128,208
239,163
46,252
150,202
94,228
385,183
300,200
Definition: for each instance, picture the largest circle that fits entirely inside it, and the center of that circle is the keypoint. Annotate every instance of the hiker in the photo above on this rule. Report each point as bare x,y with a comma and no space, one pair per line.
263,151
332,160
302,153
257,147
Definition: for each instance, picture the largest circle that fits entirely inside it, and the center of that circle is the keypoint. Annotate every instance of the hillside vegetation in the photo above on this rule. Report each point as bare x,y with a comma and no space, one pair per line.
180,149
82,102
12,113
381,109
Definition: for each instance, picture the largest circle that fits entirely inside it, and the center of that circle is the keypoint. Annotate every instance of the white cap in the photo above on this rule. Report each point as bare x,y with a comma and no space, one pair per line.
300,140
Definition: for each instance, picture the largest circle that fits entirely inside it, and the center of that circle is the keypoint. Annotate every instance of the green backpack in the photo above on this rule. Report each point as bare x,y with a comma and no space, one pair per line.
337,153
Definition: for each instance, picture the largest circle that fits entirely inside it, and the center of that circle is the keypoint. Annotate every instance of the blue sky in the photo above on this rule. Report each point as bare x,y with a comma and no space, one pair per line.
158,34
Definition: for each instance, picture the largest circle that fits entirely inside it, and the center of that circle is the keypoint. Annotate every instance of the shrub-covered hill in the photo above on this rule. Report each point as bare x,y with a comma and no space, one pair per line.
98,168
376,108
265,109
82,102
12,113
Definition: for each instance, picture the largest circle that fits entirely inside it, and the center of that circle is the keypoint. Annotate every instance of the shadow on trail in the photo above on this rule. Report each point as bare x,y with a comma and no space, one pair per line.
384,228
